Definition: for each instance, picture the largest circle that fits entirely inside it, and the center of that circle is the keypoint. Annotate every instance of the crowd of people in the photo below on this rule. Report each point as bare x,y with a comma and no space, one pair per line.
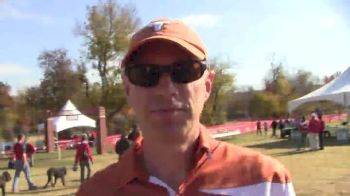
312,131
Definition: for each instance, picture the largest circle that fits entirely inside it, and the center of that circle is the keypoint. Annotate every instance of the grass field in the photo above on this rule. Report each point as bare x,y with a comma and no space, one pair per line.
324,172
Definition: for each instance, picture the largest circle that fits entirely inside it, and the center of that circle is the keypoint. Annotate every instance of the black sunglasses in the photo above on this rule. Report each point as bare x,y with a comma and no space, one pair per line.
148,75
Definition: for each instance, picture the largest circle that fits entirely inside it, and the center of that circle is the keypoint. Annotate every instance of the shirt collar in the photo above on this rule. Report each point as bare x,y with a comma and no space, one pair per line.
131,160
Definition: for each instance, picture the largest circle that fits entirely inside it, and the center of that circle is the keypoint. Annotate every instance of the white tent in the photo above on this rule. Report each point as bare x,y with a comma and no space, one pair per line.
69,116
337,91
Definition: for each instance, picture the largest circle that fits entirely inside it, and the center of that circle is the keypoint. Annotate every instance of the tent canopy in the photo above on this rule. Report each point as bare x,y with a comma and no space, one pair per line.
337,91
69,116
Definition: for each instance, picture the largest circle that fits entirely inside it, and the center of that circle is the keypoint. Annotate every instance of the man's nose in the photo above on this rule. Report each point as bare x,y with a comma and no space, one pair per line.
166,84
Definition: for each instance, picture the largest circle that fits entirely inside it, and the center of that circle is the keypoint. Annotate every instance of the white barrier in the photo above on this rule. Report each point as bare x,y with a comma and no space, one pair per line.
226,133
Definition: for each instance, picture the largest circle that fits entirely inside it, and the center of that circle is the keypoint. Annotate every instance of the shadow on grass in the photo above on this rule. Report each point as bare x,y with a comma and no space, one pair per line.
46,190
274,144
293,152
4,168
332,141
292,145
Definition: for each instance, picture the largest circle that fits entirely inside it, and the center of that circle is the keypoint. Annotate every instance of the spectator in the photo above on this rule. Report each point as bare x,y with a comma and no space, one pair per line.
274,125
92,139
313,130
302,127
21,163
266,127
84,157
258,128
281,127
30,150
135,133
122,145
321,132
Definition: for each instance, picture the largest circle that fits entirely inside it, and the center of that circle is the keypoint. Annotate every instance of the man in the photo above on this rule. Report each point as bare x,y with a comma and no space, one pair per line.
122,145
167,81
313,129
30,150
302,127
134,134
281,126
92,138
21,163
321,131
266,127
274,127
258,128
84,157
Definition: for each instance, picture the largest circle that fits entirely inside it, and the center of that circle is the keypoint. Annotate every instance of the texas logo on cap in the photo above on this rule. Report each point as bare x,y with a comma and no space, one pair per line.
158,25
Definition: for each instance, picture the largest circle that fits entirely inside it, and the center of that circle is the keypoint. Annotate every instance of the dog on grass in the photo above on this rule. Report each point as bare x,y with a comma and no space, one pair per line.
55,173
5,177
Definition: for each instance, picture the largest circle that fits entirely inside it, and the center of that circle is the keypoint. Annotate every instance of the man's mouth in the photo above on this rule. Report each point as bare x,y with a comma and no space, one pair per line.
166,110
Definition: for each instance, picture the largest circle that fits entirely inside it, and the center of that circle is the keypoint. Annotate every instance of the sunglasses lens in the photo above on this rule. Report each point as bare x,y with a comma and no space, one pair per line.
143,75
149,75
186,72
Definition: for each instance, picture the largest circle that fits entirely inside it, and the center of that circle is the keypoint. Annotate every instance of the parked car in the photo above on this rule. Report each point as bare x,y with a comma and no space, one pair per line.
287,131
6,149
40,146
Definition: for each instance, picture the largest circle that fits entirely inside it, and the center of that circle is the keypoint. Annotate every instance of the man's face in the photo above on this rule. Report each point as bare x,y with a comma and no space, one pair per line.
167,107
23,139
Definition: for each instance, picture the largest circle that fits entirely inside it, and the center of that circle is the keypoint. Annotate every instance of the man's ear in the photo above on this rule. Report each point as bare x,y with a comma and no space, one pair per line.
209,83
126,85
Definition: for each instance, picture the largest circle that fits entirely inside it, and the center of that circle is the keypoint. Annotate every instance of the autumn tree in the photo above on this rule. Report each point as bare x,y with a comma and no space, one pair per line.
238,103
6,99
7,116
278,84
327,79
215,110
303,82
62,79
106,34
265,104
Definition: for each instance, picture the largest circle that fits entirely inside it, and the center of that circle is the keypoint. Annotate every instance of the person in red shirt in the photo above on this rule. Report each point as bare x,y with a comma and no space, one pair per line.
321,132
21,163
167,81
84,157
30,150
313,129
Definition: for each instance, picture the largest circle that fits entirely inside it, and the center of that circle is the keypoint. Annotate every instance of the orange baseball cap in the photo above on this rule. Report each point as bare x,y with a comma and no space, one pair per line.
168,30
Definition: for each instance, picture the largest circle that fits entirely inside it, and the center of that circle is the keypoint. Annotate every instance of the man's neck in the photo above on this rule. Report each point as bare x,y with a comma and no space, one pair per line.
170,161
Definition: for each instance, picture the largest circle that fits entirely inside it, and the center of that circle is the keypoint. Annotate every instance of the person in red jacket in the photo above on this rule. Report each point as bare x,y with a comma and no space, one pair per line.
30,151
21,164
321,132
313,130
83,156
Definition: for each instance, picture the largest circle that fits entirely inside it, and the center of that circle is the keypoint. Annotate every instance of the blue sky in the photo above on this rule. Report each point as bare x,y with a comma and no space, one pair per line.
313,35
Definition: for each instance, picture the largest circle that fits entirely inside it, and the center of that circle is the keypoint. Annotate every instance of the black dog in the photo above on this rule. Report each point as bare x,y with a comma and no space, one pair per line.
57,173
5,177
